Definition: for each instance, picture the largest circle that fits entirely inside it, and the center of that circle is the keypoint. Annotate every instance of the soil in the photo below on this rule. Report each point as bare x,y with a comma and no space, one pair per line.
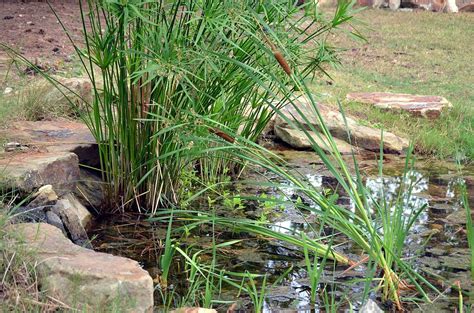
32,29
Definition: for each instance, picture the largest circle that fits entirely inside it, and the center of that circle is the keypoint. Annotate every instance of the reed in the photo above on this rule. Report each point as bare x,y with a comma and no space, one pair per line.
156,65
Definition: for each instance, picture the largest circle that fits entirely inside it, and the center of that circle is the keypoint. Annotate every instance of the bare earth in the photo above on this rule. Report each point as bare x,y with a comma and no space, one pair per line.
34,31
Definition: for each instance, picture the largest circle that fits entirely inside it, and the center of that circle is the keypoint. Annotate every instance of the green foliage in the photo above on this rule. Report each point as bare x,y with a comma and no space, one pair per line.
161,70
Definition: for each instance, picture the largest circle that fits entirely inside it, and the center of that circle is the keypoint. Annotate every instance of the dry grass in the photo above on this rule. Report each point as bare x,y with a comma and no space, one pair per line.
412,52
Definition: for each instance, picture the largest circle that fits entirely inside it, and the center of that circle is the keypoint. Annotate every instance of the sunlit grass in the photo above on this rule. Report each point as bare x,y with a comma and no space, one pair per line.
412,52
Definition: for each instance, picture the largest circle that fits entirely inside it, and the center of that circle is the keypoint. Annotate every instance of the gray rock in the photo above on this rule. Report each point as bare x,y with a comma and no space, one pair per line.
370,307
362,137
71,203
299,140
82,278
53,219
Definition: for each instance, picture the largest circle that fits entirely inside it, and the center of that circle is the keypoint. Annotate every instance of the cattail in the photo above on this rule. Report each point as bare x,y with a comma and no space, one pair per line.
277,54
221,134
281,60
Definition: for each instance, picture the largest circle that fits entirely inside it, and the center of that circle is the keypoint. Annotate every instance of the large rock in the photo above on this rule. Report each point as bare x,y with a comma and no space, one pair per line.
467,8
422,106
362,137
82,278
29,171
54,137
47,152
299,140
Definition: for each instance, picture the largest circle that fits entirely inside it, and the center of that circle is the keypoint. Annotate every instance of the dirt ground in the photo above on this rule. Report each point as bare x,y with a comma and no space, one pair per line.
33,30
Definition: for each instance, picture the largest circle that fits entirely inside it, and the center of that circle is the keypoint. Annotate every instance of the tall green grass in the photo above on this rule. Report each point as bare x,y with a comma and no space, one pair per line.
379,230
156,65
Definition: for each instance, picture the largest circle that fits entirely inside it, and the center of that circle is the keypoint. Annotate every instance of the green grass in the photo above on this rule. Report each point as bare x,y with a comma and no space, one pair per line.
412,52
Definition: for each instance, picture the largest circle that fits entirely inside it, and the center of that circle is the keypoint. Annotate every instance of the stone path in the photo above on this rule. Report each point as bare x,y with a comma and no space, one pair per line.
423,106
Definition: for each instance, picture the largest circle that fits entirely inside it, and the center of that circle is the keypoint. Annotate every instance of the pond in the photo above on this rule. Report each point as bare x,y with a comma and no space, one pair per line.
436,246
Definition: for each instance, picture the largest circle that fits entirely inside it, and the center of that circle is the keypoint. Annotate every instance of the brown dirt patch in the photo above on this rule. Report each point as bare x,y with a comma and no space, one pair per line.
33,30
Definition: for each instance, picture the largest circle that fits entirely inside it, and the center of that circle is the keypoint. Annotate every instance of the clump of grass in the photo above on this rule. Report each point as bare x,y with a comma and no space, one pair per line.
155,66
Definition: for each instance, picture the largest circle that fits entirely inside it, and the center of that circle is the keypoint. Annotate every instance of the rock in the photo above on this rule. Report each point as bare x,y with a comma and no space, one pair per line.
370,307
7,90
71,222
53,219
299,140
27,172
193,310
44,196
55,137
78,90
458,218
90,190
363,137
394,4
467,8
423,106
71,203
14,146
451,6
84,279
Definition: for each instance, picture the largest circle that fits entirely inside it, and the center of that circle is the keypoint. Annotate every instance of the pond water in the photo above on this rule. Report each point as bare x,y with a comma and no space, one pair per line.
436,246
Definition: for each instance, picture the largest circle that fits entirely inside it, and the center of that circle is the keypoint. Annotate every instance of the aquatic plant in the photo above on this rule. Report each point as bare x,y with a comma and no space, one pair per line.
378,228
157,65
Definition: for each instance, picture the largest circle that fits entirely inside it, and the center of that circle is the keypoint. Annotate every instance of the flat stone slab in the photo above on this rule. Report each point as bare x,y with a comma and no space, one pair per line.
421,106
46,153
362,137
299,140
29,171
54,137
82,278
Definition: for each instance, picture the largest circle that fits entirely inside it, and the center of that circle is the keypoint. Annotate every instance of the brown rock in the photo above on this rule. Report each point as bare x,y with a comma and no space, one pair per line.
423,106
29,171
83,278
467,8
55,137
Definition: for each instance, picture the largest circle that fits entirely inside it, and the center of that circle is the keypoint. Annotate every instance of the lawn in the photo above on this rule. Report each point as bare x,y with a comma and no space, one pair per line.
411,52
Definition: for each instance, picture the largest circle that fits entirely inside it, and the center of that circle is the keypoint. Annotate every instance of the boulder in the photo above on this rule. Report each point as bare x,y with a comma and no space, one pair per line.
299,140
82,278
29,171
54,137
362,137
467,8
421,106
394,4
